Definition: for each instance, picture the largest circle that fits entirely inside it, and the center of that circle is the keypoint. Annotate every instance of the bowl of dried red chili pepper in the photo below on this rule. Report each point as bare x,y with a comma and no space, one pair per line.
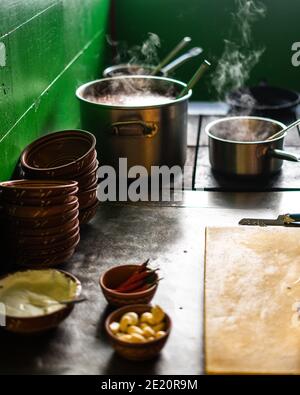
129,284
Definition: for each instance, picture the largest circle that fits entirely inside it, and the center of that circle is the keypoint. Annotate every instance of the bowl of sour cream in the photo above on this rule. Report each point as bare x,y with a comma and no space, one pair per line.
34,301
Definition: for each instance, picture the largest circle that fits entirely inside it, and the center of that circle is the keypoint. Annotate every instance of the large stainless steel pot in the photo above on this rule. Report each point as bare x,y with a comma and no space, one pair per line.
238,158
146,135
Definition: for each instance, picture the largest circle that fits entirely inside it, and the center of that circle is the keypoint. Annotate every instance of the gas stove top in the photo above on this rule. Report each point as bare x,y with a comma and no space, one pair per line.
200,176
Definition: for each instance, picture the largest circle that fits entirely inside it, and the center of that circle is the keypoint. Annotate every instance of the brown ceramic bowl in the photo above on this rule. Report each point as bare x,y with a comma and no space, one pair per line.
136,351
44,261
58,248
87,181
86,178
87,198
59,154
22,224
19,232
48,202
36,189
39,212
31,325
88,170
40,242
113,277
90,167
87,214
92,186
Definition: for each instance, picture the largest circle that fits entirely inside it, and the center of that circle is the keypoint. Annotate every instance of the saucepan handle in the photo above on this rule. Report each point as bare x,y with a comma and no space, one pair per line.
295,217
280,154
134,128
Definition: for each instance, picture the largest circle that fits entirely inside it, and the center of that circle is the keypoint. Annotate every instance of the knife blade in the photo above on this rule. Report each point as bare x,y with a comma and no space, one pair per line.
281,220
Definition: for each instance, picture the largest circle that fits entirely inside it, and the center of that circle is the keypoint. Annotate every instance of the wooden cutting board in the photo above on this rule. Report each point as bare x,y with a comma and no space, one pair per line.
252,294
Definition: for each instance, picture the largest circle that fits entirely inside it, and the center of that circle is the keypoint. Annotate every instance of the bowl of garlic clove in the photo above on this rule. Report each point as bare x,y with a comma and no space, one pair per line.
138,332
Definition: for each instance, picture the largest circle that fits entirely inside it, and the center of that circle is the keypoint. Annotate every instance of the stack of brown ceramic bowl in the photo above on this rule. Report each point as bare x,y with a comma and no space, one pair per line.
66,155
41,219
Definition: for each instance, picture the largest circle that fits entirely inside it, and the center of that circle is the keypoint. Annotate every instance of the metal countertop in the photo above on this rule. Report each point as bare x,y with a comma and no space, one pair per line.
172,234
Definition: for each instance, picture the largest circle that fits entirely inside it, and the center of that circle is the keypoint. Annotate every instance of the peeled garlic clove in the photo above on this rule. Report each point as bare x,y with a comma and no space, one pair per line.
125,322
134,317
151,338
160,334
158,314
114,327
136,338
147,317
148,331
125,338
134,329
159,327
143,325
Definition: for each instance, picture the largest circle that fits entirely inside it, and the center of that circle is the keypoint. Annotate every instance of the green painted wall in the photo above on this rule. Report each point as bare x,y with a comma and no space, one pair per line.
51,46
208,22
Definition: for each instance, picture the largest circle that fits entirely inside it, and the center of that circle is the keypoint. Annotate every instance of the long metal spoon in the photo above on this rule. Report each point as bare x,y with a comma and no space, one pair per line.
196,51
171,54
196,77
284,130
62,302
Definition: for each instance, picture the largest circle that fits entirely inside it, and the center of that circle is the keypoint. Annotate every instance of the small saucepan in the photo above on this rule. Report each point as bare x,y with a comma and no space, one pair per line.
238,146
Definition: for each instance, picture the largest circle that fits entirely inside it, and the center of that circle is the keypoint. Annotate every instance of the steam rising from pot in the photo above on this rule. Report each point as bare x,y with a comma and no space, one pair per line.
238,59
143,54
132,91
248,12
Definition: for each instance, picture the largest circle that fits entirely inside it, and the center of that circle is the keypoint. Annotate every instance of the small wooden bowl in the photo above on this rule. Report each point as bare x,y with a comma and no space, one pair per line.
36,189
113,277
136,351
40,212
31,325
87,214
59,154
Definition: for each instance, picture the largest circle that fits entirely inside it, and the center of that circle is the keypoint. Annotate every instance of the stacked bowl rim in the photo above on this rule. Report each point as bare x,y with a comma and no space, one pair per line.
74,166
38,189
37,217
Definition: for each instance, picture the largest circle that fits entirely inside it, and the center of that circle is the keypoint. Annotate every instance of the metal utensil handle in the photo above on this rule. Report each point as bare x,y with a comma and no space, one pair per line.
283,131
280,154
196,77
74,301
196,51
125,128
171,55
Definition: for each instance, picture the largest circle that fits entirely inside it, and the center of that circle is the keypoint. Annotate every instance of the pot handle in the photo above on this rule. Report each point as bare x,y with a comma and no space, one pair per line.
280,154
134,128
